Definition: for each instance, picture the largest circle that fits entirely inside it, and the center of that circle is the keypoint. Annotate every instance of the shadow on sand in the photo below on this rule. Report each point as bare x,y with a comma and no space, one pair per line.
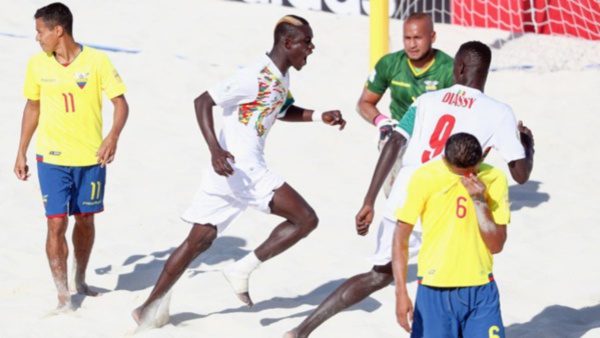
558,321
526,195
314,298
147,268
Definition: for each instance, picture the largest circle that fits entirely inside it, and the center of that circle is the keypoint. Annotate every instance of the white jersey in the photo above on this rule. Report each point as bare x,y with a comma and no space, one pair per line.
435,116
252,100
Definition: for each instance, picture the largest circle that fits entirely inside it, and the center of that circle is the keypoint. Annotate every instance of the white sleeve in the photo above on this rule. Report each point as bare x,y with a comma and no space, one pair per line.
507,140
238,89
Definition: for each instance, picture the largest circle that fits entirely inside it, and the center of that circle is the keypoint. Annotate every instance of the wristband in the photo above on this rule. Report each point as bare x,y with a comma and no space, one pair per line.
378,119
317,115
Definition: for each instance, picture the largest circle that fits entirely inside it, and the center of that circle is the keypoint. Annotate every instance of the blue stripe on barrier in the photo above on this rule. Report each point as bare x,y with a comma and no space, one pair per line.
10,35
515,67
134,51
113,49
106,48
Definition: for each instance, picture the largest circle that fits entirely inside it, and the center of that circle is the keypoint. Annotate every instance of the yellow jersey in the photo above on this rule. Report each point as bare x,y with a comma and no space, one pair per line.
69,130
453,253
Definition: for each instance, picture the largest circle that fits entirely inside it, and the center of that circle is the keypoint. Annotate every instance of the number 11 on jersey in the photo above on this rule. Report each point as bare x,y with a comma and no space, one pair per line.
68,97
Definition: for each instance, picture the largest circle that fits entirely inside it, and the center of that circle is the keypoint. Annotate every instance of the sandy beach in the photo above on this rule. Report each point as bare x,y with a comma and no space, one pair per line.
170,52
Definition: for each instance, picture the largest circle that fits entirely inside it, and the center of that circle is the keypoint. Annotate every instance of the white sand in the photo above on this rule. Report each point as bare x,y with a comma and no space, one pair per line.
548,273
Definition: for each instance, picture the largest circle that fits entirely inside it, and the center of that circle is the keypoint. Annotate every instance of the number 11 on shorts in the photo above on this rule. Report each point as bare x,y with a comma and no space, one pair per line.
96,187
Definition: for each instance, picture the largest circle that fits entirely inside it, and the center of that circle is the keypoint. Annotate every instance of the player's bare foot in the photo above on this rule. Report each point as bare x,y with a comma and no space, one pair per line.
84,289
64,303
291,334
144,317
64,306
137,315
239,284
154,315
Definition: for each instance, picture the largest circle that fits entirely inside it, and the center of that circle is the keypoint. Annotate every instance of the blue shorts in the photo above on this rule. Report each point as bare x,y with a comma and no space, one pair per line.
469,312
71,190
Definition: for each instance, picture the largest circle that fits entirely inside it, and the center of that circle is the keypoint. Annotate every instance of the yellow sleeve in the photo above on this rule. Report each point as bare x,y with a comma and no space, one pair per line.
415,200
111,83
32,85
497,198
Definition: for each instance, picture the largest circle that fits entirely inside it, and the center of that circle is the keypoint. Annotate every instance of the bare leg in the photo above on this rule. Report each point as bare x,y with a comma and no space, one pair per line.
199,240
349,293
300,221
83,240
57,252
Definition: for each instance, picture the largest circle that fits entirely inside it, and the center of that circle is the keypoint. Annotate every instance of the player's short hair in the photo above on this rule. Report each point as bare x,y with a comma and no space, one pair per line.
288,26
420,16
463,150
475,53
56,14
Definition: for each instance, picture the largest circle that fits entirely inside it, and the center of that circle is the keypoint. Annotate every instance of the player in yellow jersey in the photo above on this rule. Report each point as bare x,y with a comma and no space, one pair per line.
463,207
63,87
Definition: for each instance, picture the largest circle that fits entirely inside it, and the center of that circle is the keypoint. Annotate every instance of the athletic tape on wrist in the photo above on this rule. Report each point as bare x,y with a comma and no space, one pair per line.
378,119
317,115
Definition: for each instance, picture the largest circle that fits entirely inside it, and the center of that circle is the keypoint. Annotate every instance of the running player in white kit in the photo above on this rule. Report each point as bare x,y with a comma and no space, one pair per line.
424,130
252,101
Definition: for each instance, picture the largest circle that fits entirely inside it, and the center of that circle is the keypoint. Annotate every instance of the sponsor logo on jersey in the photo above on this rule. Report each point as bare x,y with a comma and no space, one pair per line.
50,80
81,79
458,99
55,153
430,86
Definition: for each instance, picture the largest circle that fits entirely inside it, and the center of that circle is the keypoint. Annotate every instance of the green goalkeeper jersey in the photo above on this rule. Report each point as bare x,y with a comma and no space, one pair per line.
406,83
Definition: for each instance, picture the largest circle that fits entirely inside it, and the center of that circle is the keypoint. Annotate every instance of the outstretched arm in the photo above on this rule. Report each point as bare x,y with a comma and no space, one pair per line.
493,235
331,117
31,116
204,115
520,170
388,156
108,148
404,306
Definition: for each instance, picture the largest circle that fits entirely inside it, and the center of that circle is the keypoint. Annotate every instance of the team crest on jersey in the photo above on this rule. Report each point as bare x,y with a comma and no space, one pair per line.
430,86
81,79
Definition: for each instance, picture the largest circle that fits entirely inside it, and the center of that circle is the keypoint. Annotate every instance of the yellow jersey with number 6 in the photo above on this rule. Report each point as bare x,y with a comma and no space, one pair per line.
69,130
453,252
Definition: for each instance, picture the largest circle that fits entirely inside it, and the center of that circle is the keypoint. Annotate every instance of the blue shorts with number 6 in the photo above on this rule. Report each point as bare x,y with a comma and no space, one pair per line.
469,312
71,190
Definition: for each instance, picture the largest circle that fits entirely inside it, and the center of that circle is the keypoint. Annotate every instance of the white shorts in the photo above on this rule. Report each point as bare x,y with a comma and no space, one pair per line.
385,234
218,202
385,240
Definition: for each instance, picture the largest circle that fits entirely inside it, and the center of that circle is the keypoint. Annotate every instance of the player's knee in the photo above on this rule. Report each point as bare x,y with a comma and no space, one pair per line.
84,220
56,227
381,275
311,221
201,237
